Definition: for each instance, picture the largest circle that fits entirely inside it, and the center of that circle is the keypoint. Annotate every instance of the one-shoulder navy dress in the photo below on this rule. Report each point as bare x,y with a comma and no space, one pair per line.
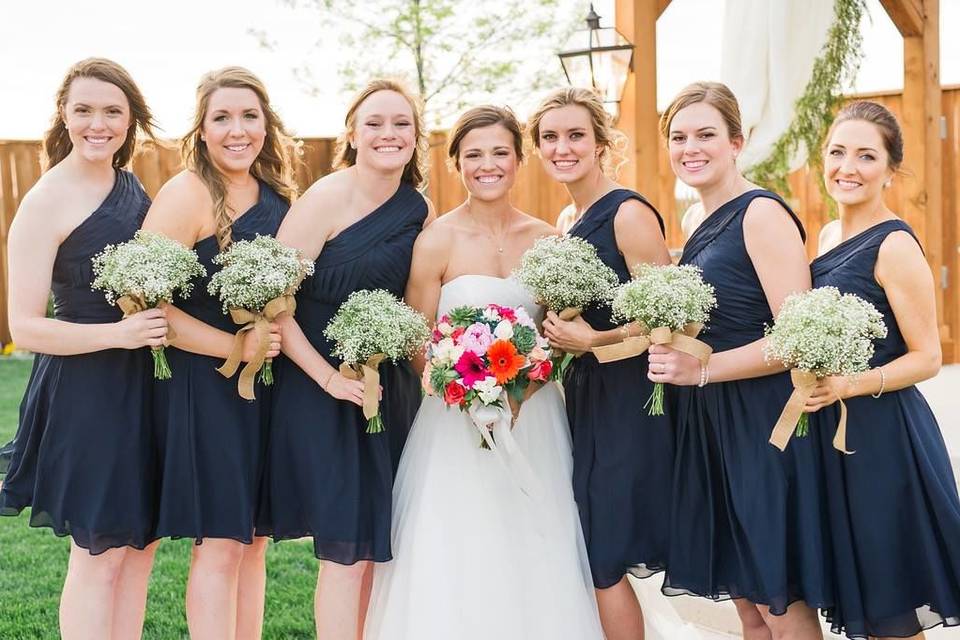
622,457
211,441
748,520
326,477
894,510
83,457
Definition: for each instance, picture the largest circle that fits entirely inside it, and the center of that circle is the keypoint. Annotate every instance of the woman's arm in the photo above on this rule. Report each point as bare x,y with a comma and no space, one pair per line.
905,277
32,247
182,212
640,241
776,250
429,263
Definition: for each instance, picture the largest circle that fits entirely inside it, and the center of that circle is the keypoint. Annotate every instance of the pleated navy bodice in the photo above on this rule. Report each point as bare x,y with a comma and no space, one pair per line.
114,222
718,248
263,219
372,253
850,267
596,227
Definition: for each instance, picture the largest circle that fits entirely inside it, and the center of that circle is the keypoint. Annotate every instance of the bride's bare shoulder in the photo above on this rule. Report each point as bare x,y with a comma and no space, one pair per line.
537,227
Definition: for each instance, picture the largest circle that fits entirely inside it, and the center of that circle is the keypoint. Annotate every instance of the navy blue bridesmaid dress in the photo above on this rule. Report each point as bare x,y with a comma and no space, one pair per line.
212,442
83,457
894,510
622,457
748,520
326,477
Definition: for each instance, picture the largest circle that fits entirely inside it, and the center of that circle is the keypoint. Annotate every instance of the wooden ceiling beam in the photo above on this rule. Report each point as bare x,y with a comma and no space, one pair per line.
907,15
662,6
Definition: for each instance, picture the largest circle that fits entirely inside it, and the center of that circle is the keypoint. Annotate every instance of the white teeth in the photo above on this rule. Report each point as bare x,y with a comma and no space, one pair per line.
694,164
93,140
387,149
488,179
564,164
847,184
237,147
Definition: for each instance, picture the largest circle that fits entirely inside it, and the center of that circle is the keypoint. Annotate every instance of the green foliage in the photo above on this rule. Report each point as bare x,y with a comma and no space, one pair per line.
453,53
814,110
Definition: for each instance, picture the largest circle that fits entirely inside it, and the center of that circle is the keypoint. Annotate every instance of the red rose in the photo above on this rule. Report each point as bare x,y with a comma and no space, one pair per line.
457,333
454,393
540,372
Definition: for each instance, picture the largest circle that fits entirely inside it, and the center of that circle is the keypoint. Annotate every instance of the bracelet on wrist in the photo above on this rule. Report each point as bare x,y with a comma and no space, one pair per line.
883,383
326,383
704,375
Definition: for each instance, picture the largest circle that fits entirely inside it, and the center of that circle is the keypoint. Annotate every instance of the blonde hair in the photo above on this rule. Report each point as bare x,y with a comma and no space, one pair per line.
346,156
479,117
717,95
56,141
611,141
273,165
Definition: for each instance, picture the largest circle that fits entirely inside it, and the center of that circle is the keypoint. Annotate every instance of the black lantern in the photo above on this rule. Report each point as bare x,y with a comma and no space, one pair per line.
598,57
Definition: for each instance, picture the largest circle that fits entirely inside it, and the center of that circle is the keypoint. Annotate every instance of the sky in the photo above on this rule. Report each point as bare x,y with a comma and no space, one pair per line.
168,45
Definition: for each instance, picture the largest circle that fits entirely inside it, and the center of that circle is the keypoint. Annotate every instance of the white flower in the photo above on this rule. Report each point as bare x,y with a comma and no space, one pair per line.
523,318
504,330
665,296
488,390
564,271
491,315
446,352
445,328
372,322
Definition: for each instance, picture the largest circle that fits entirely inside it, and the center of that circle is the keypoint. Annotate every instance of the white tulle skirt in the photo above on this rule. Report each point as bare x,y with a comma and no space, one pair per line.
481,551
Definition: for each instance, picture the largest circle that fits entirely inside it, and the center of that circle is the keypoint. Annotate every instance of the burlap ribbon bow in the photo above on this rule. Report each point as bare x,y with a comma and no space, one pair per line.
368,373
260,323
632,346
804,382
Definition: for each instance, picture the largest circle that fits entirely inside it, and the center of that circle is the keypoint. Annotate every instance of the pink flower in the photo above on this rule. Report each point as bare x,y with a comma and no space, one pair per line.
471,368
425,379
459,331
540,372
537,353
477,338
437,336
506,313
454,393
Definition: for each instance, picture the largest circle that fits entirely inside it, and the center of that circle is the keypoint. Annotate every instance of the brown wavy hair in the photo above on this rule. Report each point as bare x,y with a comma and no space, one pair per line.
612,142
274,165
346,156
717,95
56,141
479,117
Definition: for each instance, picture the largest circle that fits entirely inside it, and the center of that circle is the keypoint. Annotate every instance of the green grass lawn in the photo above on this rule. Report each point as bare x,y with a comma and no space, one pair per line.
33,563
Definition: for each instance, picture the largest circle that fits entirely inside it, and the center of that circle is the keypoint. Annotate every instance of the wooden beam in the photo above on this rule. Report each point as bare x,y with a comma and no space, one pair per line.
923,186
662,6
637,20
907,15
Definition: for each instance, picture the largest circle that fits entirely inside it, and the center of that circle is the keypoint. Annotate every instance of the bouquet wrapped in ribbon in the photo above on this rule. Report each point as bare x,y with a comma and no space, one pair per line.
256,283
482,359
369,327
141,274
820,333
565,275
664,304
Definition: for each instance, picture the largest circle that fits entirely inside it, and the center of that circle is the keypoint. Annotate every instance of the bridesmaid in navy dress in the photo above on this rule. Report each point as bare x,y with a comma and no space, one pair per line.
238,183
747,520
622,457
894,510
82,458
326,477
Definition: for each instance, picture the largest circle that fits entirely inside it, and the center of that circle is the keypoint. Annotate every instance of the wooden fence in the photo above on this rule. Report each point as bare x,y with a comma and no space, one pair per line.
544,198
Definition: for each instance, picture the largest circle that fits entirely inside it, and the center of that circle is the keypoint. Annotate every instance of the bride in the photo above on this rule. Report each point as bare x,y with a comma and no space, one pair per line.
479,552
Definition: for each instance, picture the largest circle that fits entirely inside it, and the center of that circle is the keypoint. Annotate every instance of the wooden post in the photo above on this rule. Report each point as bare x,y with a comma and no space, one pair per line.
637,21
919,23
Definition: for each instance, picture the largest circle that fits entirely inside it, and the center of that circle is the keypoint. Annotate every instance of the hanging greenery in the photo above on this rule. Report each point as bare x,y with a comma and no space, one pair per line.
814,110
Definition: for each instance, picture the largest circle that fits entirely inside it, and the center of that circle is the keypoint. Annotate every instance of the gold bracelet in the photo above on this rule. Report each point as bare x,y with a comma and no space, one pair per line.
323,385
883,382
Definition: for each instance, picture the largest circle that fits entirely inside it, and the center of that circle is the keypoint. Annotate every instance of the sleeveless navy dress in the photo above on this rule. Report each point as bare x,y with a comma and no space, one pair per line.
622,457
83,457
894,510
211,442
748,521
327,478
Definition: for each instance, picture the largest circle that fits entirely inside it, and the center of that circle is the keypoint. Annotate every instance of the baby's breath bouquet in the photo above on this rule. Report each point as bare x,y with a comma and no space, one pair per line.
669,304
256,283
565,275
820,333
142,273
369,327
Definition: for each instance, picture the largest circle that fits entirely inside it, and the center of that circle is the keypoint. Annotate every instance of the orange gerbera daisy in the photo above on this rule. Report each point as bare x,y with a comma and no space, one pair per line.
505,362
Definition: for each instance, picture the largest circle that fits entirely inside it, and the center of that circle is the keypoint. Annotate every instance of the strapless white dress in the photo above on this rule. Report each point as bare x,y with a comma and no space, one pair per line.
480,552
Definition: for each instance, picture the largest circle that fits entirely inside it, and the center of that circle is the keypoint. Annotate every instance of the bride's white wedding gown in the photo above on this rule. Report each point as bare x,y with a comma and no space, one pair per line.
481,551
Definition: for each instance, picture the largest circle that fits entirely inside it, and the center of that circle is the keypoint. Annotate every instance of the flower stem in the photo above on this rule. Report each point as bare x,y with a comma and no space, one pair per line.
655,402
266,372
375,424
161,368
803,426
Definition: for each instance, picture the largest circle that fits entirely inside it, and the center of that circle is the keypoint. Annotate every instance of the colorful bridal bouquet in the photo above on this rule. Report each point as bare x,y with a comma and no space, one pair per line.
664,304
481,357
369,327
820,333
142,273
566,276
256,283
